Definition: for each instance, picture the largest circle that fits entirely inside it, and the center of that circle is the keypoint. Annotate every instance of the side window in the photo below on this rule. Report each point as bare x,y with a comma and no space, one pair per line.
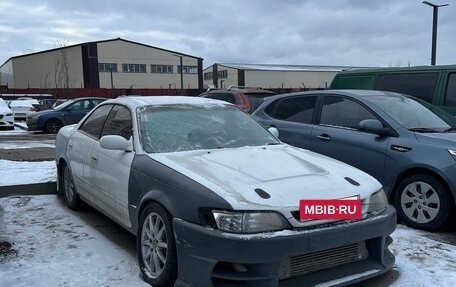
81,105
93,124
297,109
420,85
450,96
338,111
118,123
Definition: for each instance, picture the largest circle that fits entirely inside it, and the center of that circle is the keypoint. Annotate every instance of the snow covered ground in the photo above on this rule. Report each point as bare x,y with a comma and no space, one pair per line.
23,172
54,246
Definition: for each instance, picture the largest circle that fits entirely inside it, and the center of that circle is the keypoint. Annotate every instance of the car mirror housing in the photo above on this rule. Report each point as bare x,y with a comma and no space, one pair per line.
274,131
374,126
114,142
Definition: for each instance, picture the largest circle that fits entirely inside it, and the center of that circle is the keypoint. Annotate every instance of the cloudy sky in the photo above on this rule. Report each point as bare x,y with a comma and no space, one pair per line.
307,32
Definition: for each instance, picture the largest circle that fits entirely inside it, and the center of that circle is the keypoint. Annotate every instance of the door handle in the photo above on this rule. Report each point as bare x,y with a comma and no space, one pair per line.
324,137
70,146
94,159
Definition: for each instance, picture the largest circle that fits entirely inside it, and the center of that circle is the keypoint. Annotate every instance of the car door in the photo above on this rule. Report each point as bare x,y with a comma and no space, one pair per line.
293,117
113,166
338,135
82,162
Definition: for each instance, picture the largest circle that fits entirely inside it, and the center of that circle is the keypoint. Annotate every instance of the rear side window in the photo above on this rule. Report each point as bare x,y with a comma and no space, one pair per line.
450,97
354,82
118,123
420,85
297,109
339,111
227,97
94,123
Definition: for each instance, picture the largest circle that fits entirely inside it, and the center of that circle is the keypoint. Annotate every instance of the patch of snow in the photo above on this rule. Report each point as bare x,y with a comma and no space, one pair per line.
13,132
55,247
23,125
24,172
27,144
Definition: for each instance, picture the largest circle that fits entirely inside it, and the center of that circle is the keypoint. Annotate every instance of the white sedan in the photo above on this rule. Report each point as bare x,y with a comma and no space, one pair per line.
6,116
214,198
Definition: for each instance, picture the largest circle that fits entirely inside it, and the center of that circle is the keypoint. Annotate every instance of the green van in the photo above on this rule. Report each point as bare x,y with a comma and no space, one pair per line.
434,84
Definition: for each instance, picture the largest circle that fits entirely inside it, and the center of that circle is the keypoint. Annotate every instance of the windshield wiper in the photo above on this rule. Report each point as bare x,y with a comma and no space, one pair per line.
423,130
274,143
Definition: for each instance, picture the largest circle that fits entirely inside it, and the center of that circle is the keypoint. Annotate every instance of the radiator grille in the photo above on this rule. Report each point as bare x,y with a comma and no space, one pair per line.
308,263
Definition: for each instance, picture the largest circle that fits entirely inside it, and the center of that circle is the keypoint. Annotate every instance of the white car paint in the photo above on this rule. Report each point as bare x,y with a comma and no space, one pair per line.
287,173
6,115
22,108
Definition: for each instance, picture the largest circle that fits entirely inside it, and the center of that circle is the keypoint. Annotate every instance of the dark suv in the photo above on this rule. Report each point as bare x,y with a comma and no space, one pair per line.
247,99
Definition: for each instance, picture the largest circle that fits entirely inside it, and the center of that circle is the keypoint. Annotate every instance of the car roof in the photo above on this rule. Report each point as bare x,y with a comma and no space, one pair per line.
140,101
358,94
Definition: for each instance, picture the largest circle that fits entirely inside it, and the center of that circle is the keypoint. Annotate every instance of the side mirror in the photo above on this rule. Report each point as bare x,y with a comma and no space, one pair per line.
114,142
274,131
374,126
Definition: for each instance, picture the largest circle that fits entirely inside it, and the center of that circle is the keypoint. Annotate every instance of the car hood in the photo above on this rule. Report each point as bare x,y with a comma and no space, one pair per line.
286,173
45,112
5,110
446,139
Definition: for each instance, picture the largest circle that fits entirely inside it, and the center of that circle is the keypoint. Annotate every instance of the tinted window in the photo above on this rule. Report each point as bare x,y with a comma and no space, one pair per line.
450,97
338,111
420,85
227,97
95,121
297,109
118,123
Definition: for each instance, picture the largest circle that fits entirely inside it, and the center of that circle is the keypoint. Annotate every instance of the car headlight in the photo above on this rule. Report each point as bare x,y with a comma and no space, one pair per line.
377,201
249,222
452,152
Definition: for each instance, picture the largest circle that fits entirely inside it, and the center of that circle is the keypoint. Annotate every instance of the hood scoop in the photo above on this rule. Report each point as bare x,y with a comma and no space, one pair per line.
262,193
352,181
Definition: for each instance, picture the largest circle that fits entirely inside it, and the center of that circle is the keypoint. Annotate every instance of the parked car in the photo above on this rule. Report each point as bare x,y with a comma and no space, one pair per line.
434,84
23,107
6,116
247,99
68,113
404,142
213,197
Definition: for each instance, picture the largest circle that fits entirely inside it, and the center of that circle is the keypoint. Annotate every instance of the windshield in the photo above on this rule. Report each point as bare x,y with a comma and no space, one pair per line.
64,105
414,114
175,128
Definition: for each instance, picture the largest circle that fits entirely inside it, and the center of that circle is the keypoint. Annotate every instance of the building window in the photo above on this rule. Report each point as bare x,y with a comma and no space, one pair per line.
223,74
107,67
161,69
134,68
187,69
208,76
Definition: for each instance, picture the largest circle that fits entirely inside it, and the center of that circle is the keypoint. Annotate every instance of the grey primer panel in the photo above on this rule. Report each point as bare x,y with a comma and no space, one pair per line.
183,197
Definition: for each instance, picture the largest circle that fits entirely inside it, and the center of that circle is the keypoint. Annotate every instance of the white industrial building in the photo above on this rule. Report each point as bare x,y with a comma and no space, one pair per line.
115,63
270,76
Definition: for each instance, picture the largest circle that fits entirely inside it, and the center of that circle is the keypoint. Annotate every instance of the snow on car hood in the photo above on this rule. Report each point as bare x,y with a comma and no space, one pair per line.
287,173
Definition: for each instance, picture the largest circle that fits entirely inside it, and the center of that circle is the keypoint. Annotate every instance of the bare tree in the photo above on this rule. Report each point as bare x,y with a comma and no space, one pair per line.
61,66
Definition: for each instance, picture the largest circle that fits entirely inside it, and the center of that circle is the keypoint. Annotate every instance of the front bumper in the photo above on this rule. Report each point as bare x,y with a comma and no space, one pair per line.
209,257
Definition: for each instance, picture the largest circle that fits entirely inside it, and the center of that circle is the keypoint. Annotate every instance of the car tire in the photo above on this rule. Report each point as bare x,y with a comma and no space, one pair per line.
156,246
69,189
53,126
422,202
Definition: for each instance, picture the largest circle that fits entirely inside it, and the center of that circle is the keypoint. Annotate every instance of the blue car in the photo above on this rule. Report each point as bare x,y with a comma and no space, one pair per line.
68,113
405,143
